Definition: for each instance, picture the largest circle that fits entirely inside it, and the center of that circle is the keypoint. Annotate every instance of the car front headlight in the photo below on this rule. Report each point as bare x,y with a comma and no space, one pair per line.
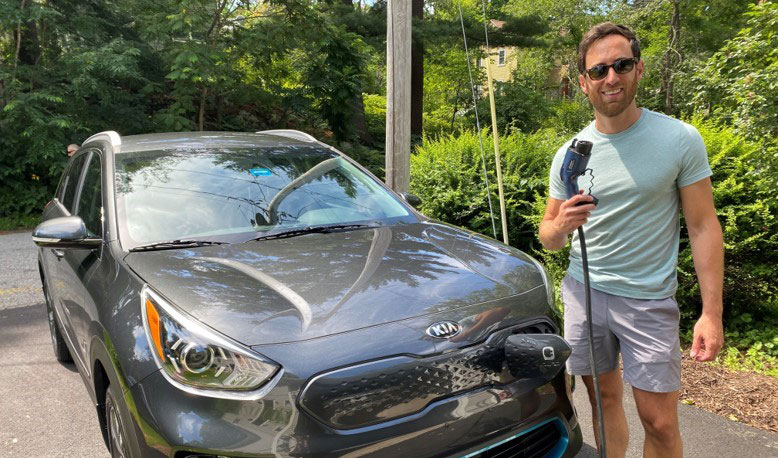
197,359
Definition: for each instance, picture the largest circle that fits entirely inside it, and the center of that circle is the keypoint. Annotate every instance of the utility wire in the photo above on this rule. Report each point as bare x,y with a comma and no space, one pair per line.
486,29
477,122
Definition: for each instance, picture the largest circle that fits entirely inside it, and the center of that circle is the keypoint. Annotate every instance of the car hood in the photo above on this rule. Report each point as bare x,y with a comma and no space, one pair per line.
299,288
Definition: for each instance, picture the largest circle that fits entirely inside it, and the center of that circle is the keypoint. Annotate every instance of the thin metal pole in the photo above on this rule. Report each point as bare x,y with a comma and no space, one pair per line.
495,137
478,123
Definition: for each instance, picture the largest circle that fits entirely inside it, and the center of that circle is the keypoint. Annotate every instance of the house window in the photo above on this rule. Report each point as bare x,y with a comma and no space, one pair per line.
501,57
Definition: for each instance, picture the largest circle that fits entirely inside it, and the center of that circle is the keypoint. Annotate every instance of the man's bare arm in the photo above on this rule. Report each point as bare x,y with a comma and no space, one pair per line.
708,254
562,217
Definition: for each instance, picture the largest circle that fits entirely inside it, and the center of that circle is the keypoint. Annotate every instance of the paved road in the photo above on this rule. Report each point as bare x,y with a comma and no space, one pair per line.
46,412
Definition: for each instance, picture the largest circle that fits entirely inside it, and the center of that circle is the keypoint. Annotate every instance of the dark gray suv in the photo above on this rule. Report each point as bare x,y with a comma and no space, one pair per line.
236,294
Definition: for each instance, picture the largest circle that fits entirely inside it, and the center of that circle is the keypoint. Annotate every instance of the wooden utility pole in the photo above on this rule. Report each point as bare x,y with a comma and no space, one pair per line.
398,95
417,75
496,141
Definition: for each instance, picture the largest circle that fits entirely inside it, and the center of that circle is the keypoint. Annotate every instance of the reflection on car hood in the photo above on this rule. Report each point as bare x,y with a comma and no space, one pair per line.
315,285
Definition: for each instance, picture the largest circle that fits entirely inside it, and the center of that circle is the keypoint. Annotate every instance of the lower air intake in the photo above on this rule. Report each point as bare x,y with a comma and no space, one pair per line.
537,443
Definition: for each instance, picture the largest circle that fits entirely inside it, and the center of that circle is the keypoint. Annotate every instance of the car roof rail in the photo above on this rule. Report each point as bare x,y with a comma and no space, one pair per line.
113,137
291,133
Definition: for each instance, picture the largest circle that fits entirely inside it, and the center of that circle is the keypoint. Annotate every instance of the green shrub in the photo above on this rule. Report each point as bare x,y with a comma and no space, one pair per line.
447,173
375,115
18,222
517,107
748,211
570,116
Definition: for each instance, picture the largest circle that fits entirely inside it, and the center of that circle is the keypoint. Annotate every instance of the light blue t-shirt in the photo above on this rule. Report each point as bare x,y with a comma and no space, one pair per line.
632,235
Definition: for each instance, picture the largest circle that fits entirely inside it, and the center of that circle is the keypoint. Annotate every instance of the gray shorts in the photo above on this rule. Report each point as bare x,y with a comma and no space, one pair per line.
645,331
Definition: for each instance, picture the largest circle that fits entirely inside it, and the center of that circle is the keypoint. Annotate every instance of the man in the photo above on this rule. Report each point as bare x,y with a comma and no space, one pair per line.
72,148
645,166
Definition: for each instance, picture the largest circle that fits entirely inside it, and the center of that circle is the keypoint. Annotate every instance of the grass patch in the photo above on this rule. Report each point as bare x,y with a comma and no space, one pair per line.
18,222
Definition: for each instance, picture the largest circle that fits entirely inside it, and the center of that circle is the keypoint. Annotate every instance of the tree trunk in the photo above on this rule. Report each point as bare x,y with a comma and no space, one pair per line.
357,108
417,75
219,111
27,43
456,105
672,57
359,120
18,38
2,98
201,115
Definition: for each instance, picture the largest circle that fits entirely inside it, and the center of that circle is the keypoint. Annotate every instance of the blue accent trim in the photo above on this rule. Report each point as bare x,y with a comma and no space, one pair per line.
555,452
260,172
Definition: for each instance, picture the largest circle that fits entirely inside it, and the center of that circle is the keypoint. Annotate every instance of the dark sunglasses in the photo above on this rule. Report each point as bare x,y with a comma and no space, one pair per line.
621,66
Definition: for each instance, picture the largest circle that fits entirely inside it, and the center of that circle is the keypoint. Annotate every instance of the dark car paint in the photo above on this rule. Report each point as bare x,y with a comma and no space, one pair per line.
345,282
107,330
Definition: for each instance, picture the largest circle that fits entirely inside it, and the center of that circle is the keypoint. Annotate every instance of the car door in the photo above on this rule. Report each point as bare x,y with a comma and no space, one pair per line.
80,264
58,279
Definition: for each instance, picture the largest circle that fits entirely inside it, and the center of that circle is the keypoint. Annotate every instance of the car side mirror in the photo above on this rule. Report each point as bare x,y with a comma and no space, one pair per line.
64,232
412,199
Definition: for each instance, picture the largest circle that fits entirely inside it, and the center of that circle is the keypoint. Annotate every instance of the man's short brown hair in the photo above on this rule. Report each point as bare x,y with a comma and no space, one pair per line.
603,30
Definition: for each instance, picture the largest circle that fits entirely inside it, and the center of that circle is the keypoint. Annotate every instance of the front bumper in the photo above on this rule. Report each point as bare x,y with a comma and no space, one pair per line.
170,422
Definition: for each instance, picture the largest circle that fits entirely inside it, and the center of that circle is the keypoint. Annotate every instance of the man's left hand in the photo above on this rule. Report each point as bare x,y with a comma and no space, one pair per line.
708,338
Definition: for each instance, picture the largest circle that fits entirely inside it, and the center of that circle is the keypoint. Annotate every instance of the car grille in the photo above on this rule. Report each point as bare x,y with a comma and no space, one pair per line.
377,391
536,443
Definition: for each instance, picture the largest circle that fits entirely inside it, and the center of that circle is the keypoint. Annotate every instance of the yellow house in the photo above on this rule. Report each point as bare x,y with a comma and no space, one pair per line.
505,60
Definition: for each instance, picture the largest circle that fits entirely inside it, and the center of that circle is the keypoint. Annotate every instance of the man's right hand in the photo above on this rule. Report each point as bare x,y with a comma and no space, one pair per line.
562,218
571,216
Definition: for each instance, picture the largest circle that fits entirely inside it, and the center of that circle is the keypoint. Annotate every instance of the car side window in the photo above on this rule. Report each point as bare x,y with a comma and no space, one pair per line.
63,182
90,201
71,182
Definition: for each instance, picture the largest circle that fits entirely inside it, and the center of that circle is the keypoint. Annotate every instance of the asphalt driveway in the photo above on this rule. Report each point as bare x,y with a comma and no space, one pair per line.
45,410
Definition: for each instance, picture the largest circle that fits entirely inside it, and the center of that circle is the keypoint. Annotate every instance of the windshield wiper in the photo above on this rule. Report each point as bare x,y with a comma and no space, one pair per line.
312,230
173,244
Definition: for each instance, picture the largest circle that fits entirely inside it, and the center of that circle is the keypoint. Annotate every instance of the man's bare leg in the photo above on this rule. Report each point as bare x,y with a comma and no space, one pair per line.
616,432
659,415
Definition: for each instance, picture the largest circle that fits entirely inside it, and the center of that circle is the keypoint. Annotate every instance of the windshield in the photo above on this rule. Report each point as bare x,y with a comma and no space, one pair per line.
239,194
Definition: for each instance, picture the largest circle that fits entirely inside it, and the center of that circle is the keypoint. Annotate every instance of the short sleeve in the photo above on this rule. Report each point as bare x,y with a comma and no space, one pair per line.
556,187
694,157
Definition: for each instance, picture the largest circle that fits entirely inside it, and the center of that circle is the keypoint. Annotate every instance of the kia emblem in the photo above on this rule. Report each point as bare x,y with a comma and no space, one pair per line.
444,329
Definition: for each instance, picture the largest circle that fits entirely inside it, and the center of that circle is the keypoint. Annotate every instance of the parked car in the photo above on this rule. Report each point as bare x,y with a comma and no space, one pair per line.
261,294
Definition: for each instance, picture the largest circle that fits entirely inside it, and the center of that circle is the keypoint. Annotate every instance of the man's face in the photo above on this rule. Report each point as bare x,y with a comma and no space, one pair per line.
614,93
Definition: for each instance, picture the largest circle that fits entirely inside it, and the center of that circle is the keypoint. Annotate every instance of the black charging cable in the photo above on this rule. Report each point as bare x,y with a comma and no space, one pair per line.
592,362
573,166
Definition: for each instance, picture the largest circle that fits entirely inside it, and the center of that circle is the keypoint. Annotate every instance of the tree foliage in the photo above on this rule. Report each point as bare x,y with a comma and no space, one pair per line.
738,85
